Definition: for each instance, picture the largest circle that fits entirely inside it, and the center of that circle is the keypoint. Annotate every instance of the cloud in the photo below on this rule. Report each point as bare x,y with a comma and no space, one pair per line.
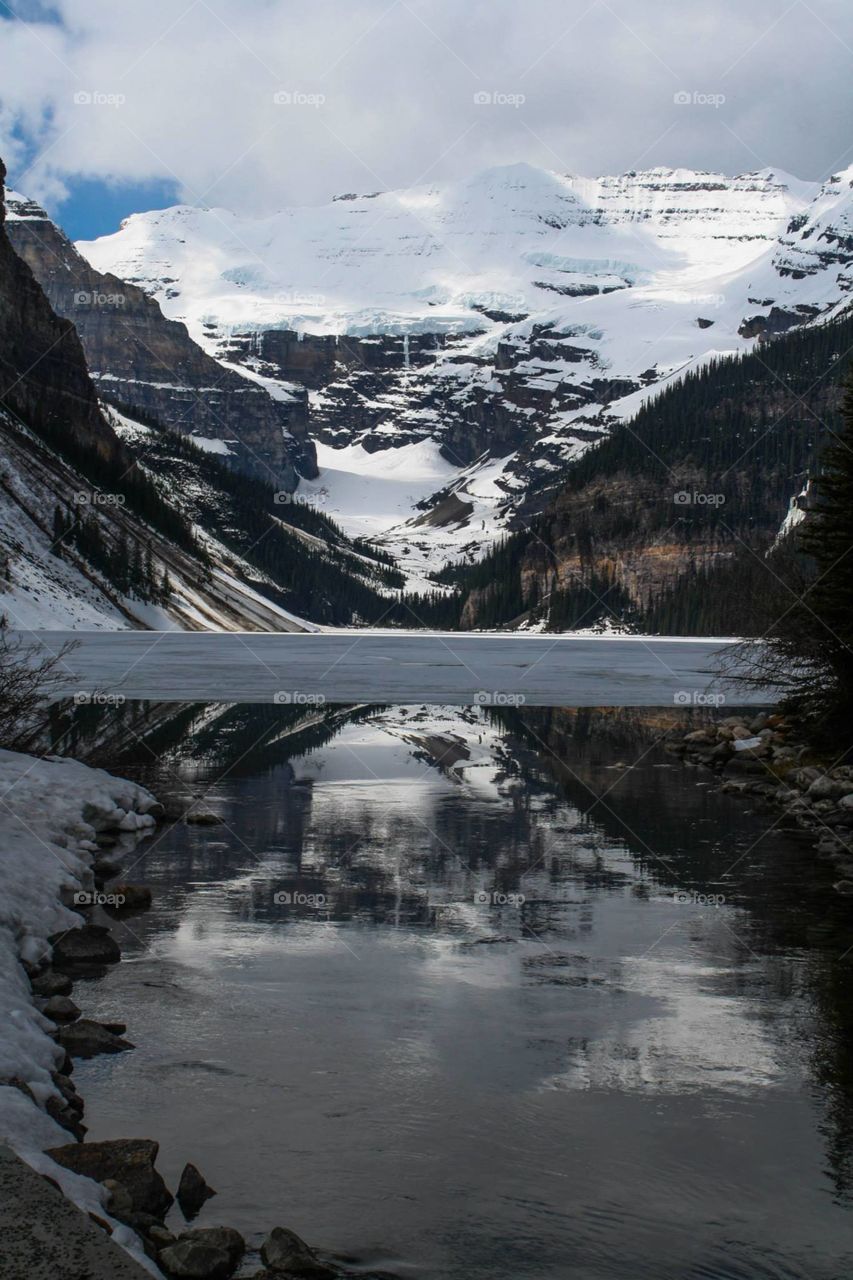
256,104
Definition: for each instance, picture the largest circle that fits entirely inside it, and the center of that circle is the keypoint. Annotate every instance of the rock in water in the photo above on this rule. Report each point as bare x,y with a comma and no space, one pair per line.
91,944
52,983
224,1238
192,1191
86,1039
283,1250
196,1259
129,1161
61,1009
203,818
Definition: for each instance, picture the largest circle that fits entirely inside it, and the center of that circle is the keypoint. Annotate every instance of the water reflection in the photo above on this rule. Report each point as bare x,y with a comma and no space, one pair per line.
483,994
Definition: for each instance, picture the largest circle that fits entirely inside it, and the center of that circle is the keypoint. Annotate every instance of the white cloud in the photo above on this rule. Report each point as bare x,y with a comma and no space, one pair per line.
382,92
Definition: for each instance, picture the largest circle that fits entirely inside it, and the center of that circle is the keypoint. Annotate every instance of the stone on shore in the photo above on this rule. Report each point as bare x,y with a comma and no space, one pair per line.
60,1009
227,1239
91,944
195,1260
50,983
283,1250
129,1161
86,1039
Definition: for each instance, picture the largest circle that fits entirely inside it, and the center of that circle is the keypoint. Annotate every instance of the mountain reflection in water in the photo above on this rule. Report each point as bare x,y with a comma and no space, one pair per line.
484,994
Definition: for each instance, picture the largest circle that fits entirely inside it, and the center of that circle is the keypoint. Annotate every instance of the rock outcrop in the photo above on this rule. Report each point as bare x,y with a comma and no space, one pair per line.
44,381
140,359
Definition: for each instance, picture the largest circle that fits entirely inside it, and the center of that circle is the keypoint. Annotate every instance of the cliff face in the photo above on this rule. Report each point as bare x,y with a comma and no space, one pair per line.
671,519
43,376
140,359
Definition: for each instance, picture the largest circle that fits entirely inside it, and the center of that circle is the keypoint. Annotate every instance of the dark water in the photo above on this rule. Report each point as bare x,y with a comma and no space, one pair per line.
642,1070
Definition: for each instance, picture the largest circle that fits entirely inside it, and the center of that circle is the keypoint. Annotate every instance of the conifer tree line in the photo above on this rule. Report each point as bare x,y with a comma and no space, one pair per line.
809,642
343,582
121,561
748,428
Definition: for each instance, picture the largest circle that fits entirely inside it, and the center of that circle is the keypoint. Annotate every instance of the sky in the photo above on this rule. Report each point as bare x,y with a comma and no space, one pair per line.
110,108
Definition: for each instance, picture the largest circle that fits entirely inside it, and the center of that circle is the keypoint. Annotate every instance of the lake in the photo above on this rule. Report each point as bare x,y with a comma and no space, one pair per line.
373,667
501,994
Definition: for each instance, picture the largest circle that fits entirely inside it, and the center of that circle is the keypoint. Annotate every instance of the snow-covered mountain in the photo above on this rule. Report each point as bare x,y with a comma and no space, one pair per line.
460,343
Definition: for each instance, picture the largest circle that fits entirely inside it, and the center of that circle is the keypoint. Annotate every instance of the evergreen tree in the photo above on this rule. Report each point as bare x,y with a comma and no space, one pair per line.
810,649
60,529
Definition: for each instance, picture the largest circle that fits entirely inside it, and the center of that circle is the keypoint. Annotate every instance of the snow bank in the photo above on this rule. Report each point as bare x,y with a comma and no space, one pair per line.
49,812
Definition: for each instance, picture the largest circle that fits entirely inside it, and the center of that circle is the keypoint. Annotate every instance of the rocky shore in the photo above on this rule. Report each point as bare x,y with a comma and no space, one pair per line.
763,757
91,831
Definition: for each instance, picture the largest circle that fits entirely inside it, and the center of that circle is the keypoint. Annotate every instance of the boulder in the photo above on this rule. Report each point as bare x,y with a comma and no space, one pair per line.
129,1161
60,1009
196,1259
283,1250
192,1191
50,983
91,944
86,1039
825,788
803,778
224,1238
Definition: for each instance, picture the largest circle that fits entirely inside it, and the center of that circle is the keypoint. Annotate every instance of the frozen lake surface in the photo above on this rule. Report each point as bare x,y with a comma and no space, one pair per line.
577,671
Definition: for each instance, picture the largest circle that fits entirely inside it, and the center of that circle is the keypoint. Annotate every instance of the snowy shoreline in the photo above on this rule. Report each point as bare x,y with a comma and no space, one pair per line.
51,813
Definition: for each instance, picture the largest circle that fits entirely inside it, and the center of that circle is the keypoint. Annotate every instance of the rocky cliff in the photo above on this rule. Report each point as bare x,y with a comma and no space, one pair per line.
140,359
43,376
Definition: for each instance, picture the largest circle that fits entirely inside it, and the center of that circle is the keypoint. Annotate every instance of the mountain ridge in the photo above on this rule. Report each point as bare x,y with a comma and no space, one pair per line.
511,319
